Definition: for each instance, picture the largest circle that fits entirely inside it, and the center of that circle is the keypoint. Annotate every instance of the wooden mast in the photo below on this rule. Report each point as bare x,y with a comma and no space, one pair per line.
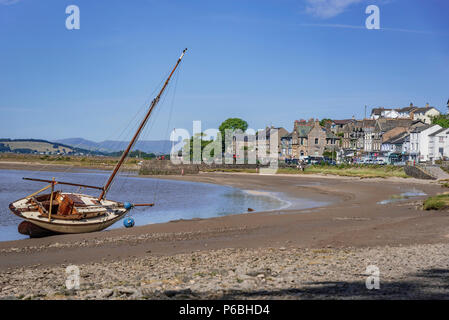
136,135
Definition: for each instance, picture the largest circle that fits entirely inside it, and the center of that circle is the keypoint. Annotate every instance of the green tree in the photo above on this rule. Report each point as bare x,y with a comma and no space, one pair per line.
324,121
441,120
203,143
330,154
233,124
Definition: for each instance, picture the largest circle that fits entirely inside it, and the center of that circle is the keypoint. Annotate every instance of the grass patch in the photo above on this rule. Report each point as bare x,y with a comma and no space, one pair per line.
438,202
361,171
94,162
230,170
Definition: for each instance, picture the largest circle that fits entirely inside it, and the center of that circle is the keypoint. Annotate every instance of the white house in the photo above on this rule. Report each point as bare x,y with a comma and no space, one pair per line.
425,114
439,144
412,112
378,113
424,141
413,143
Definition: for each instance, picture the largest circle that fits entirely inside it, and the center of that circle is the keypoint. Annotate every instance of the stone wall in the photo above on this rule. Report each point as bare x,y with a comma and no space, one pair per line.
418,173
166,167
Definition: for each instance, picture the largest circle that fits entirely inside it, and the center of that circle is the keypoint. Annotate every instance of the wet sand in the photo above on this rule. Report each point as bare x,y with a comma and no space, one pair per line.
354,219
353,224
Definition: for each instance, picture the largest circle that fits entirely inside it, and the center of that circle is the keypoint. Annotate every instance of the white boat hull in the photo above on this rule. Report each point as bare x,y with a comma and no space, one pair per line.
112,211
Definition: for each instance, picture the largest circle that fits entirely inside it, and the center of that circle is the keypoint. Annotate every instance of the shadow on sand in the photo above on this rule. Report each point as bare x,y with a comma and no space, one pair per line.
431,284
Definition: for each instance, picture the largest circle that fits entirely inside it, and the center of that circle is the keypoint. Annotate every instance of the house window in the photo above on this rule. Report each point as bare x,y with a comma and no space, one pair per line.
316,140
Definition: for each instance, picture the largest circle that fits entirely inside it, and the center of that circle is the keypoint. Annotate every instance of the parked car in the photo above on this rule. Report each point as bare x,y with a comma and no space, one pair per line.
380,162
291,161
314,160
330,162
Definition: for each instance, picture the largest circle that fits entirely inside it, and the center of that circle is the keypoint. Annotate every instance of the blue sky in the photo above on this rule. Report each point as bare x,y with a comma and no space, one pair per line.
268,62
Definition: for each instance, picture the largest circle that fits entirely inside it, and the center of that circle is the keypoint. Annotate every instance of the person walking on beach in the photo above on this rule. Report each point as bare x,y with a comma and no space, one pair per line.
301,165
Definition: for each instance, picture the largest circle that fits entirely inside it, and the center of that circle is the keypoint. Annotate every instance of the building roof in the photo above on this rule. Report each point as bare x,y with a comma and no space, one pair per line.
367,123
410,109
343,122
438,132
393,133
406,109
421,128
281,132
303,131
330,135
397,139
378,111
386,124
422,110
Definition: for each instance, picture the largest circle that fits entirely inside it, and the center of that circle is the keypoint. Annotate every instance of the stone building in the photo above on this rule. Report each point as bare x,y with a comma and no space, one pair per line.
308,138
365,137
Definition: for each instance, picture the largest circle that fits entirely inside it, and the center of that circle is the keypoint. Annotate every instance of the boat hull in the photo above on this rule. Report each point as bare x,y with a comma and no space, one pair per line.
112,211
83,228
34,231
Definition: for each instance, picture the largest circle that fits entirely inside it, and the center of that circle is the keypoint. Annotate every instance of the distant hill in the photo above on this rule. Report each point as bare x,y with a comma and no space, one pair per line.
38,146
148,146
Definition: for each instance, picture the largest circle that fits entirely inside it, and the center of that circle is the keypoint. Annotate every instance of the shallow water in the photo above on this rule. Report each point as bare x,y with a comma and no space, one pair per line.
173,200
404,196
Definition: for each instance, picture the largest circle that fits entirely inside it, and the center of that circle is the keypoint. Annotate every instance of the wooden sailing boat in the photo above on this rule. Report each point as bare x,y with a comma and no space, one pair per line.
65,212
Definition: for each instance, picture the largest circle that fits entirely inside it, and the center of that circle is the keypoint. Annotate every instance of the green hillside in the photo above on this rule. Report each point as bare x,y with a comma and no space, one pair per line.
34,146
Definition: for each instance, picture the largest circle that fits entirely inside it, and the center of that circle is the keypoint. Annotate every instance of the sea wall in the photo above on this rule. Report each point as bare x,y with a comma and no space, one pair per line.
166,167
418,173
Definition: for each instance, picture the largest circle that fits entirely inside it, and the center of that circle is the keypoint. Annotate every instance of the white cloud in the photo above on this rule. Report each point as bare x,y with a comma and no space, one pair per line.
346,26
328,8
342,26
8,2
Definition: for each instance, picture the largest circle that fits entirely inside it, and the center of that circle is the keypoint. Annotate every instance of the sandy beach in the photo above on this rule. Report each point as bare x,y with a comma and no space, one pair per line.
292,254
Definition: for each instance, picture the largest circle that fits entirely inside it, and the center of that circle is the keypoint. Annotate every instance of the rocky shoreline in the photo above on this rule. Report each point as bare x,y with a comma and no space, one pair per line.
406,272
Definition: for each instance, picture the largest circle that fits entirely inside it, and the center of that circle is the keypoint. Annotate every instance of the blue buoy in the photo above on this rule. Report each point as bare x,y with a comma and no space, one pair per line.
127,205
128,222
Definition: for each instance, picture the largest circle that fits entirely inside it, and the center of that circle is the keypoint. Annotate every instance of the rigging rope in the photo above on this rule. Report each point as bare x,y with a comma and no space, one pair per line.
168,125
149,125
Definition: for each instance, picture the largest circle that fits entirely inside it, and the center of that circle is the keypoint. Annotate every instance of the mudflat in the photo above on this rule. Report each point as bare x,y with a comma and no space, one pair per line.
352,227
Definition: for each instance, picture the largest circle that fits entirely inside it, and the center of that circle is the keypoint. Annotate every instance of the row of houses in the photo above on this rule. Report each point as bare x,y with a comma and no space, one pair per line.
411,112
394,135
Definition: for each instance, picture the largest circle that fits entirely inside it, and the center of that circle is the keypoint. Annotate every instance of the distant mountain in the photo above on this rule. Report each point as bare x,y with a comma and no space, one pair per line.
81,143
148,146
